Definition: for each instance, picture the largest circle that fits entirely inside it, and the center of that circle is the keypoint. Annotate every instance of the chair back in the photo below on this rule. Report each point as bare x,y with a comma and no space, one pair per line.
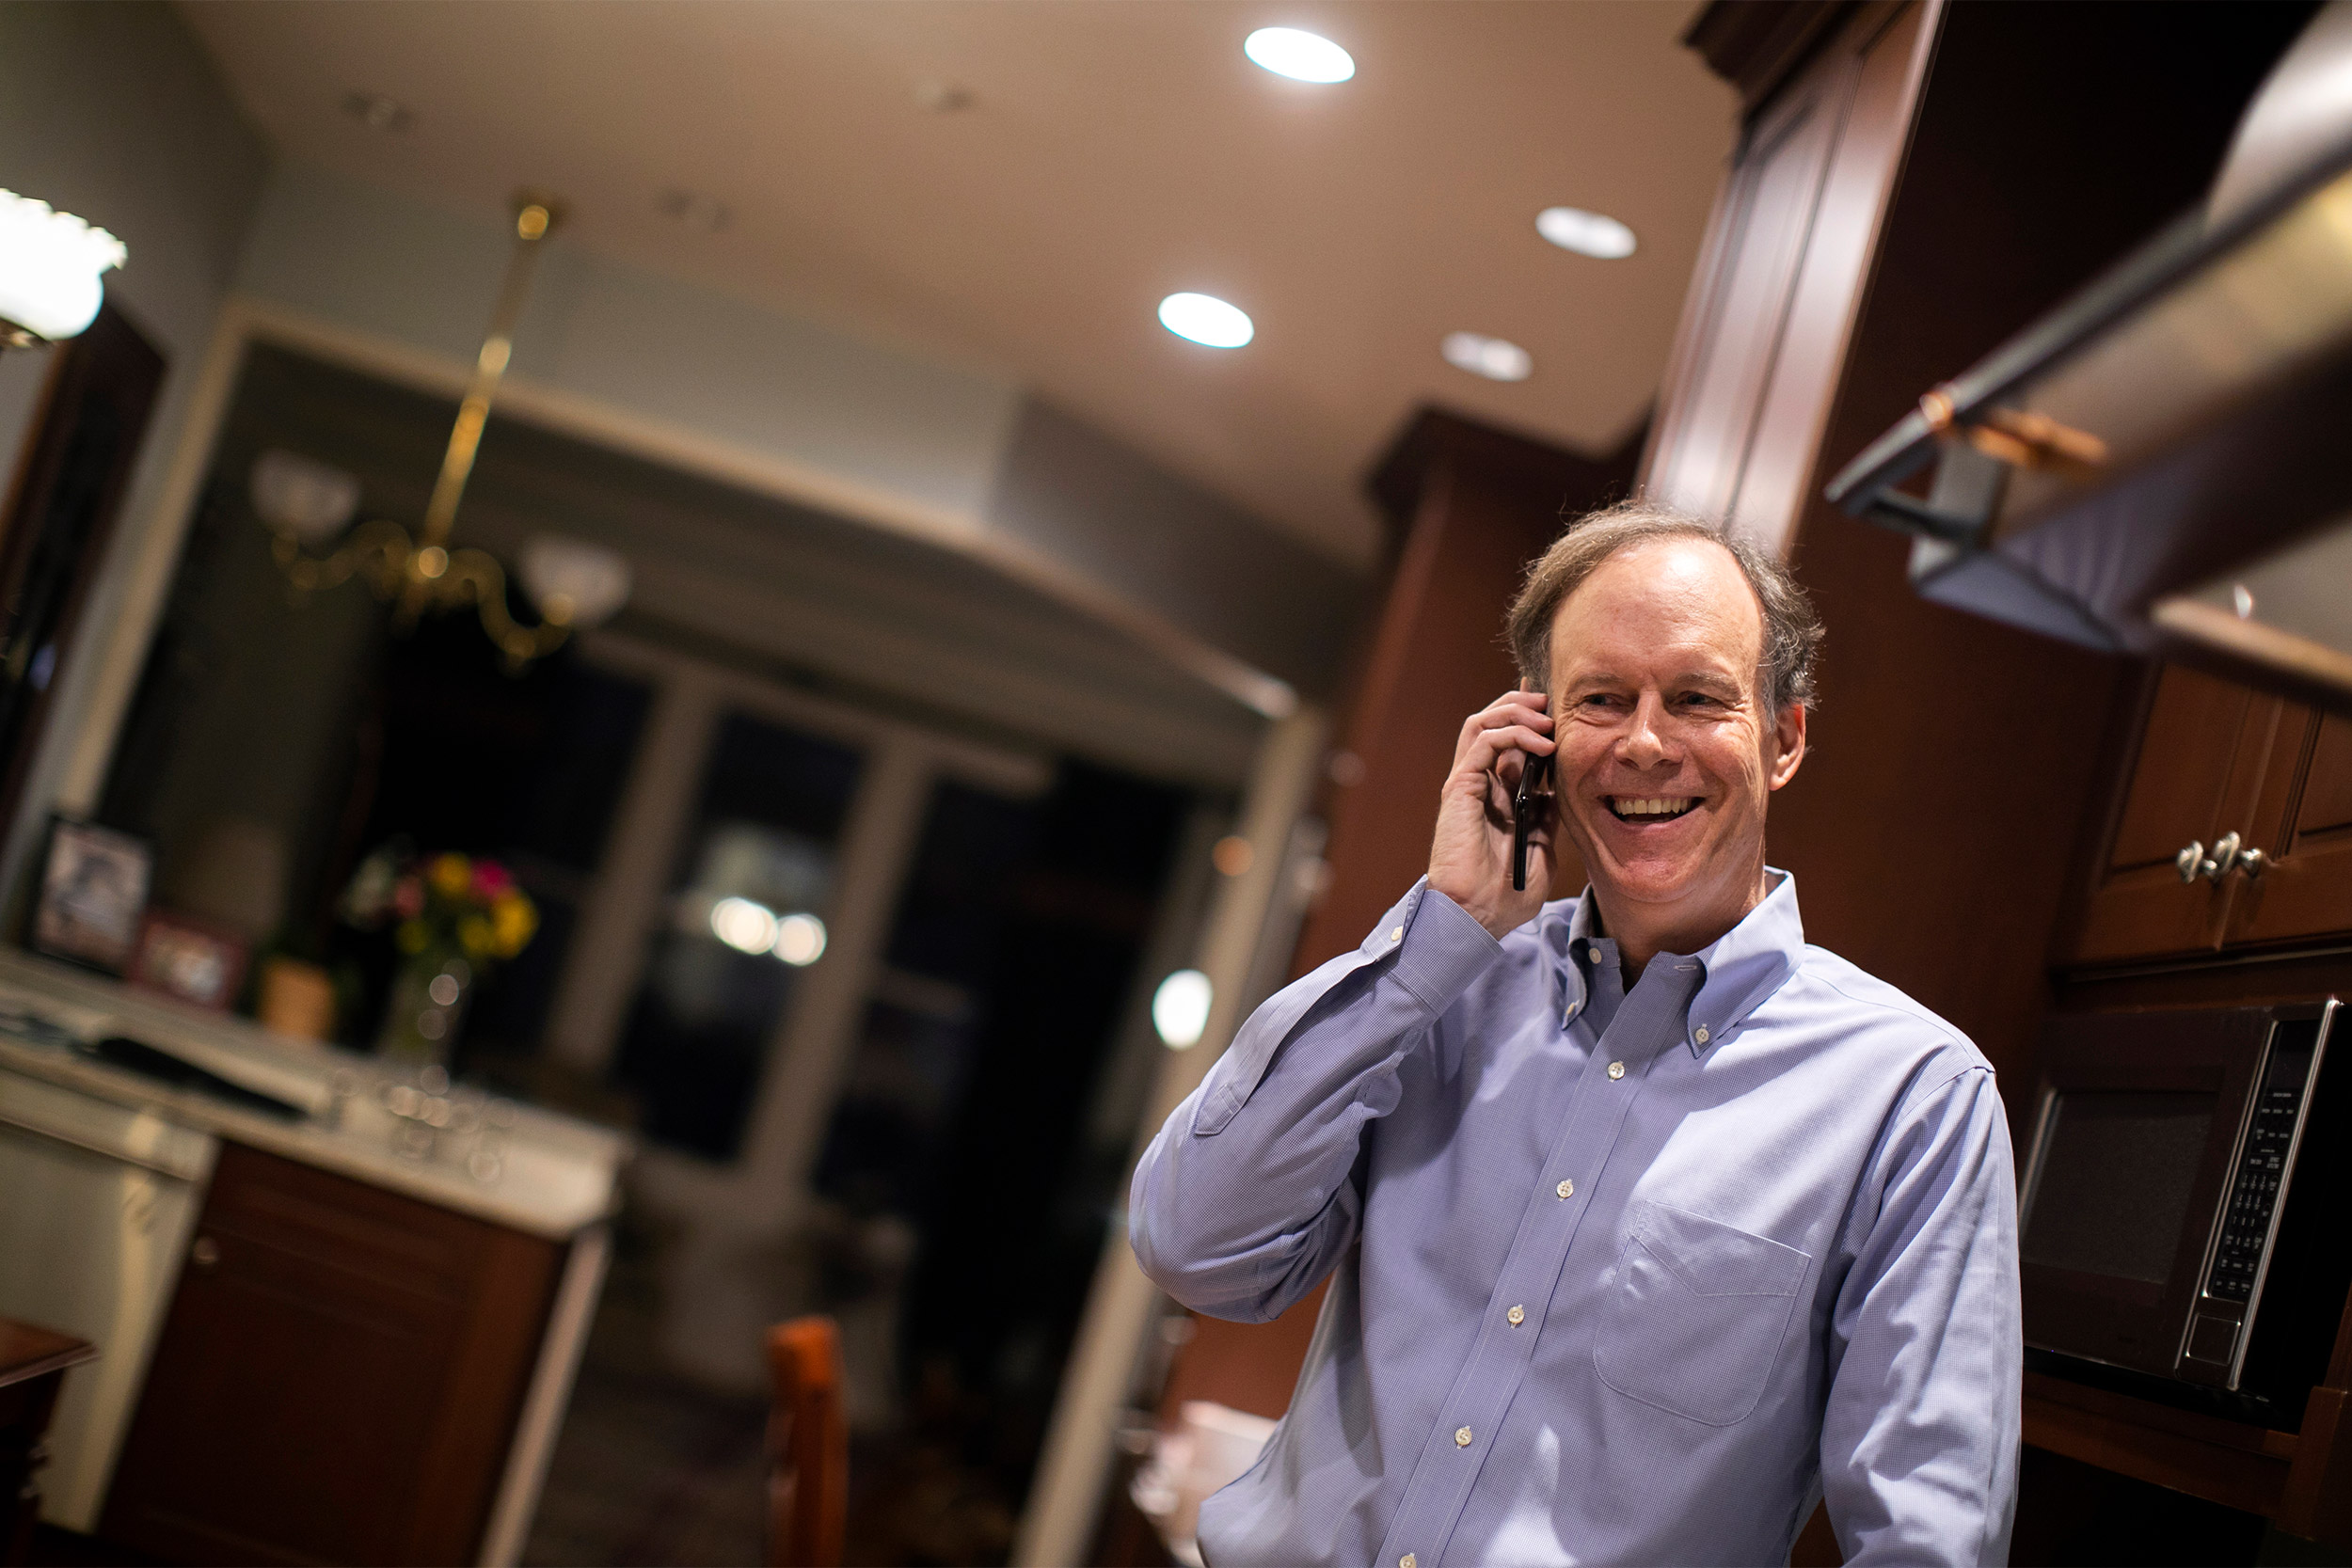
808,1446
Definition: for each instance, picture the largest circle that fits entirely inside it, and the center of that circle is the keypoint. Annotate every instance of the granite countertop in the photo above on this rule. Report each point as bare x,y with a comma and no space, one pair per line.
497,1160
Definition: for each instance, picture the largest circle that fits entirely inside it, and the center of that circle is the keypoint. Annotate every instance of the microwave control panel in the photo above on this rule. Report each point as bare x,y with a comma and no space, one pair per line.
2262,1167
2254,1196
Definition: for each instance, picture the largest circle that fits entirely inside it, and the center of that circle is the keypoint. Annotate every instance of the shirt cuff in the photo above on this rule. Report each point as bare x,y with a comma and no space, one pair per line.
1441,950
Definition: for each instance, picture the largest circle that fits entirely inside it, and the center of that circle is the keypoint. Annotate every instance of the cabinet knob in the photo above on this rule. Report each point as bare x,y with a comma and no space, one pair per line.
2225,857
205,1253
2229,854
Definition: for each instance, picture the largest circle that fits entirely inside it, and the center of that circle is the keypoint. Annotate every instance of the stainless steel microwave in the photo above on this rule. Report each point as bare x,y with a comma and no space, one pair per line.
2184,1223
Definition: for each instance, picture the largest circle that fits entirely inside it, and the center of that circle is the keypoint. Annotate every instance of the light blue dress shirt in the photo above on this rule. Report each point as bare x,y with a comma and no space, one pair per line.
1617,1278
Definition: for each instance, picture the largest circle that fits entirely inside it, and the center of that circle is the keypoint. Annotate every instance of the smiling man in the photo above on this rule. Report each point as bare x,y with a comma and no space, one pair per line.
1647,1224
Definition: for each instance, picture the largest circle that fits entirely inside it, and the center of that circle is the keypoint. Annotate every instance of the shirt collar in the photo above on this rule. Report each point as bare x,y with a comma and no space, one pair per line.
1741,968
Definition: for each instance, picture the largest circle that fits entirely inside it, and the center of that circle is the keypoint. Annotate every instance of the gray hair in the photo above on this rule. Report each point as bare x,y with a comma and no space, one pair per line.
1792,632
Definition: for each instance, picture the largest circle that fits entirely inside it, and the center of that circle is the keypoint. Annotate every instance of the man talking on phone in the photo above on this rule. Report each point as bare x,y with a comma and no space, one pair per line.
1647,1224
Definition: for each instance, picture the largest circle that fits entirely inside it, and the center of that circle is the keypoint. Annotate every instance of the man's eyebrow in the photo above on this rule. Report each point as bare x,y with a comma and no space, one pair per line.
1603,676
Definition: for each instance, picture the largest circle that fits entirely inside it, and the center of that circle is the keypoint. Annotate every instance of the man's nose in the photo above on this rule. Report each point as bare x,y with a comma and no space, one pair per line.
1644,743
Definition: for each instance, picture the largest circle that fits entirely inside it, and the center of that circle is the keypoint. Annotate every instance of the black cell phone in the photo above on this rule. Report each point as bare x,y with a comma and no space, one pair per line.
1525,805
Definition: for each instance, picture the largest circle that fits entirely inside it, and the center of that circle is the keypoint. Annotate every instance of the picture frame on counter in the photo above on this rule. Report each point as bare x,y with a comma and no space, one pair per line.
93,891
192,959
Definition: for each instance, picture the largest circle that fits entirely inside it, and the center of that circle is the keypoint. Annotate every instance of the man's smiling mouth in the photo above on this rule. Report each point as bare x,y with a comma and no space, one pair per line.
1650,808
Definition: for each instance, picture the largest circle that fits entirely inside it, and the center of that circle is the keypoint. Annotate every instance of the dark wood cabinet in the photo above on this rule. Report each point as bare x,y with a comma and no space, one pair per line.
2303,821
1780,279
337,1379
2194,777
2213,761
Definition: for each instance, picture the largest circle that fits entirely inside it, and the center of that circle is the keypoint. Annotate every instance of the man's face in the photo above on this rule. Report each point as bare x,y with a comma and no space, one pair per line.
1666,756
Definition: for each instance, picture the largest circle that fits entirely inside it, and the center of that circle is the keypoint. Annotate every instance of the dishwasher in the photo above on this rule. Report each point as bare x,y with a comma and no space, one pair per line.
96,1201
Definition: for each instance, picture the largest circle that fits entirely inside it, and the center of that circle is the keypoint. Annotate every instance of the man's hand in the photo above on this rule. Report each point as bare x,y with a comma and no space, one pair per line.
1469,860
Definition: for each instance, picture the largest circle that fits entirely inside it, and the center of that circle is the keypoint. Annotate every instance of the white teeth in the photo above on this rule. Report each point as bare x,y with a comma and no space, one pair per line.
1652,805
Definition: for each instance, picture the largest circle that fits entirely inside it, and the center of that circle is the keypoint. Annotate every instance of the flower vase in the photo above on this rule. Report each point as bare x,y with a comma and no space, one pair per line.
429,996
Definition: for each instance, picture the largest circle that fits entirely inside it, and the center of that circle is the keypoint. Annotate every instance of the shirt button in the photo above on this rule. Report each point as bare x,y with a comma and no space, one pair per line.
1701,1035
1461,1438
1573,1009
1517,1316
1408,1560
1565,1188
1617,1069
1397,935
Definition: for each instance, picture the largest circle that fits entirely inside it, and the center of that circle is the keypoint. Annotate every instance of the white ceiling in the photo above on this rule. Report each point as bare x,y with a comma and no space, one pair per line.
1112,151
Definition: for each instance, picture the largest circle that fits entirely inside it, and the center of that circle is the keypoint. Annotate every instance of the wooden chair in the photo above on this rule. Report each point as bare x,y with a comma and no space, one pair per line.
808,1446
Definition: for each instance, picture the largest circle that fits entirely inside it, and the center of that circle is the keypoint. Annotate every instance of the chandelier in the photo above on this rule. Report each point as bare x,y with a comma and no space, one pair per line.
306,504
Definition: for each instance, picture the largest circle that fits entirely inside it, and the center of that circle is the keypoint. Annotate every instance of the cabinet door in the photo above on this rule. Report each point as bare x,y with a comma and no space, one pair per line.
1778,287
337,1381
2196,775
2304,826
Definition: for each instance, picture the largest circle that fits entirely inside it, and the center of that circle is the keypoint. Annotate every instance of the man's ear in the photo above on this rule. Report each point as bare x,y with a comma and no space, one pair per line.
1787,744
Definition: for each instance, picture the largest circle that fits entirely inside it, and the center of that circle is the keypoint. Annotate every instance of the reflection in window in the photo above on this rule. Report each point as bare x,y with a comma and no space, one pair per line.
746,915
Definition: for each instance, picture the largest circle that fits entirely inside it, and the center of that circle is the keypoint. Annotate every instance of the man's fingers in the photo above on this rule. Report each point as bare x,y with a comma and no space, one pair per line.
1482,751
1516,716
1501,794
1521,704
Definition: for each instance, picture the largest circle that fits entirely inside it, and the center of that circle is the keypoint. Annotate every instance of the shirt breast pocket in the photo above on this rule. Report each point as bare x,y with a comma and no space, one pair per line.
1697,1316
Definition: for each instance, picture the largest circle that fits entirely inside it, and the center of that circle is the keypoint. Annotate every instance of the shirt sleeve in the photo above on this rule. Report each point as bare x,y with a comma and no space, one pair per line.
1247,1196
1919,1439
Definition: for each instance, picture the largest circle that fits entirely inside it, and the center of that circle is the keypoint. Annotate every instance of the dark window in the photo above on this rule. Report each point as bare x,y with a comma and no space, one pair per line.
759,855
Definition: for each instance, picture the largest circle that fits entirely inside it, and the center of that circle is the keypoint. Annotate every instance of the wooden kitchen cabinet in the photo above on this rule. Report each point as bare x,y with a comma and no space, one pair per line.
2196,775
2304,825
2214,758
1779,280
338,1379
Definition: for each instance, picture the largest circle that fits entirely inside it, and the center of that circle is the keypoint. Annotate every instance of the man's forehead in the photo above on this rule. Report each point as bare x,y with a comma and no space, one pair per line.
1670,601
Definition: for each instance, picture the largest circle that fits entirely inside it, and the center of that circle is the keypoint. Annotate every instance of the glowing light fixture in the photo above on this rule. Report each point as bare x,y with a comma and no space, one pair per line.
799,940
743,924
52,267
301,496
1302,57
1207,319
571,580
1593,234
1495,358
1180,1008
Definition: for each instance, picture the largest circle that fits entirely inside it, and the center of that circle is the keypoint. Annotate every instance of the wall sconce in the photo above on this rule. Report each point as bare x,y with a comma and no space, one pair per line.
50,269
307,504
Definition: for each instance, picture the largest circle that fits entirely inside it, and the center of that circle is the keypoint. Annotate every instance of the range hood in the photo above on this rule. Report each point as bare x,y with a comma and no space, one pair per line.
2163,465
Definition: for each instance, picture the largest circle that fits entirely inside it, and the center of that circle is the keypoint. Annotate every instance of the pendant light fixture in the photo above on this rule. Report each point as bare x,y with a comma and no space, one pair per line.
573,584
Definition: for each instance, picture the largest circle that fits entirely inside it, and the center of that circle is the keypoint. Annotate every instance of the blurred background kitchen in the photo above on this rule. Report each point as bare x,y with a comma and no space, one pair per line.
665,669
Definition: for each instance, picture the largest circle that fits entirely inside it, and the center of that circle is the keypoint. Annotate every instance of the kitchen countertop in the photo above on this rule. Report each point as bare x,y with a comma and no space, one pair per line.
510,1163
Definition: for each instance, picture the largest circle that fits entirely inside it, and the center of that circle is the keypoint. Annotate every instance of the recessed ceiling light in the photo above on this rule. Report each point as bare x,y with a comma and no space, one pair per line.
1586,233
1206,319
1301,56
379,113
1492,357
693,209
